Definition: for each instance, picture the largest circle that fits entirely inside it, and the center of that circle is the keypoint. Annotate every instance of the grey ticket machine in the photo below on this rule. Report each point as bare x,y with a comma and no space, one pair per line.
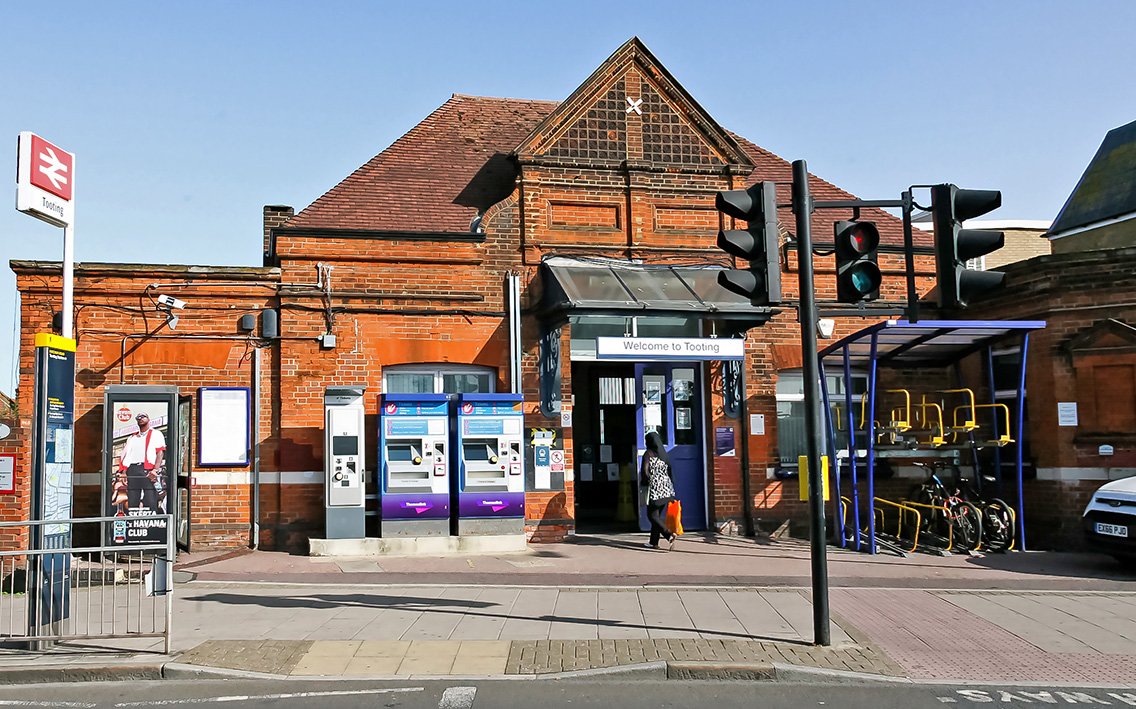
414,465
344,462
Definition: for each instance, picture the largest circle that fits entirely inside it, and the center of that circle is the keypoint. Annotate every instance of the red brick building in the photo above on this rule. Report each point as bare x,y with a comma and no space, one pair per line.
602,206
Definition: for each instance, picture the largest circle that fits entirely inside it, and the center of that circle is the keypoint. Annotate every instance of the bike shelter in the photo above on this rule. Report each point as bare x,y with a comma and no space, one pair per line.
917,427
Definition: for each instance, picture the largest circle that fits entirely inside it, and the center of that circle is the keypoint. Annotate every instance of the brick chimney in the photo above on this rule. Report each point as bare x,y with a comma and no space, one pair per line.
275,215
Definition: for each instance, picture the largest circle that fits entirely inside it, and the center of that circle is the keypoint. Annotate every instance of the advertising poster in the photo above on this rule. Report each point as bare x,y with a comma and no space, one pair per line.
139,480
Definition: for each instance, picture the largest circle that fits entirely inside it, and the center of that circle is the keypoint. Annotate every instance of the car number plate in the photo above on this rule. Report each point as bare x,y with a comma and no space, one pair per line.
1112,530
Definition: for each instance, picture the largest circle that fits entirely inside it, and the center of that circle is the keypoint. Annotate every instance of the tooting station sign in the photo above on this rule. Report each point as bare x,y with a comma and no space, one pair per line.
45,180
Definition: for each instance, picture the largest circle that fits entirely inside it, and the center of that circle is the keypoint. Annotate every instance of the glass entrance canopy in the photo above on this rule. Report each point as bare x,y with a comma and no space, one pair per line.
624,287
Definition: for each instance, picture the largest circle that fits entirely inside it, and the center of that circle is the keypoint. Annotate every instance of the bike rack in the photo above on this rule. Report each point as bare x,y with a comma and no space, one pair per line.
904,508
902,344
946,516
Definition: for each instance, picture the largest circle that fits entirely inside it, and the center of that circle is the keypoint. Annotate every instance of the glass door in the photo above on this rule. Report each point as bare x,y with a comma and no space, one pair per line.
670,402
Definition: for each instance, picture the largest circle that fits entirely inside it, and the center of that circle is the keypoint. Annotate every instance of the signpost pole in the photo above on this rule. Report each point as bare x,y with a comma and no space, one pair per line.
68,279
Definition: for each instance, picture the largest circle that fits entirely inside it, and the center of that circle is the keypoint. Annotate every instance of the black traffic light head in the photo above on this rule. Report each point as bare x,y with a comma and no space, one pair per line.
858,274
954,246
759,244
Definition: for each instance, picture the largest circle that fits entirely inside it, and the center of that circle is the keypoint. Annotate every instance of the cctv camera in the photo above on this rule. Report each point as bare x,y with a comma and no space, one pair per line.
171,302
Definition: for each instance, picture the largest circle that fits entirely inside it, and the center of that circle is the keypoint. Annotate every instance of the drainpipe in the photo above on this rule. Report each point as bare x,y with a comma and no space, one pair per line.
255,448
513,290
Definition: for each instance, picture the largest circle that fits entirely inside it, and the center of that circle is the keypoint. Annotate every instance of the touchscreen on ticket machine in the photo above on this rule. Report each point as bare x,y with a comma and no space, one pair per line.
414,470
489,457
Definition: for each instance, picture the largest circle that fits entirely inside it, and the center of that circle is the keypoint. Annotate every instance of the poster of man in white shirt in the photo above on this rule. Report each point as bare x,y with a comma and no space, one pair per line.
139,481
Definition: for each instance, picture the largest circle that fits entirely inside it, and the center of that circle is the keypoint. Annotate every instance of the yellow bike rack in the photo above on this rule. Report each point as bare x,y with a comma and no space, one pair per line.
935,433
904,508
1003,437
946,516
970,418
901,416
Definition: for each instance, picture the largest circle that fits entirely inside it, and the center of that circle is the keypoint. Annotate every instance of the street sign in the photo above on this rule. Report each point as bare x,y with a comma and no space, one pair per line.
45,180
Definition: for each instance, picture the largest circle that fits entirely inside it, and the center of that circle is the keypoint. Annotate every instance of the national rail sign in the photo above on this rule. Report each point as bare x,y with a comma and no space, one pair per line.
45,180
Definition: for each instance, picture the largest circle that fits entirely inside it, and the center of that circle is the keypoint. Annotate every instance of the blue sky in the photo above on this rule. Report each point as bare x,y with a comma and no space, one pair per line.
187,118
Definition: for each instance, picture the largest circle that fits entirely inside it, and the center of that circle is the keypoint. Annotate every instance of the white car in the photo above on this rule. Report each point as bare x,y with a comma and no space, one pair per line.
1110,519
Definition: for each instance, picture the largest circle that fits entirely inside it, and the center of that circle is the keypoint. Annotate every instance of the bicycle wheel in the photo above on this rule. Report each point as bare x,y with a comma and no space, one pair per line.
966,525
925,495
997,525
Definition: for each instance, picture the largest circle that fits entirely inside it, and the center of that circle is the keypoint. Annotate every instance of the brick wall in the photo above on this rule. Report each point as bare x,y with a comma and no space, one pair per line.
1076,294
123,338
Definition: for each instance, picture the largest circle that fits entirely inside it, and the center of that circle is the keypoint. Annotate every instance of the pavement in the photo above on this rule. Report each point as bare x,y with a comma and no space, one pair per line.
722,607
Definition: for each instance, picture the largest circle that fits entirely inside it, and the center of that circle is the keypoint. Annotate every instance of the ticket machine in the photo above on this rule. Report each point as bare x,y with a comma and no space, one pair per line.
489,462
344,461
414,466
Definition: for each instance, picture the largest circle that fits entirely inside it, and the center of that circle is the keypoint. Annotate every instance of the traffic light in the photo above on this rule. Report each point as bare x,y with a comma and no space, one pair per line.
759,244
857,269
954,246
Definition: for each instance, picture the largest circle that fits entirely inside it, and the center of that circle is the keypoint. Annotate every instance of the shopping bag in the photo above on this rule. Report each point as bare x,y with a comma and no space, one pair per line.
674,517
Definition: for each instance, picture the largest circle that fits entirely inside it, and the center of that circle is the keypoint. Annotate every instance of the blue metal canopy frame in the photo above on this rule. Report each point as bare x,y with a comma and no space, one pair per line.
903,344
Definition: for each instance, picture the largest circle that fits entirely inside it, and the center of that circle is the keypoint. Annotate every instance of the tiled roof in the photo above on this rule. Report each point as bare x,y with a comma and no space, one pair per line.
1107,190
437,176
455,162
771,167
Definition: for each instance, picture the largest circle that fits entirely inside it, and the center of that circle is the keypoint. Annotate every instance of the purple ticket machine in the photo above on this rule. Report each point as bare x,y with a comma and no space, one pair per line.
489,464
414,465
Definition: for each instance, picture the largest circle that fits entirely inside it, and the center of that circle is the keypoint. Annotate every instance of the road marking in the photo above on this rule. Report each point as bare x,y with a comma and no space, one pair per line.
28,703
983,696
248,697
457,698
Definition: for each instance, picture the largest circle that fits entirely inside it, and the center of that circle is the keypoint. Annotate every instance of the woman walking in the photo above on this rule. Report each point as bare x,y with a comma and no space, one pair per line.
655,475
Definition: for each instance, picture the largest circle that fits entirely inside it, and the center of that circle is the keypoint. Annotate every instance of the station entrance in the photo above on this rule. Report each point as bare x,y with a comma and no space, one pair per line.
617,404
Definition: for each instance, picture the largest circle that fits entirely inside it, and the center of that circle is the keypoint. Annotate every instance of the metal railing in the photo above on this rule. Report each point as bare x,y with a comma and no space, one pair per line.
68,593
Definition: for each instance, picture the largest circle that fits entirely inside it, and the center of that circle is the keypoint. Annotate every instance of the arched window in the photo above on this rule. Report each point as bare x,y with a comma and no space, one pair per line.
439,379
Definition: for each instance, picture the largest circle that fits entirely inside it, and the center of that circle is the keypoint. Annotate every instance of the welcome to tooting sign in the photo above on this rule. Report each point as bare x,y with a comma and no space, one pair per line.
45,180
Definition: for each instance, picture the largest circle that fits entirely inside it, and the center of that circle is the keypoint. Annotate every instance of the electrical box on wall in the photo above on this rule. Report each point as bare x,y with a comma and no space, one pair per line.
327,341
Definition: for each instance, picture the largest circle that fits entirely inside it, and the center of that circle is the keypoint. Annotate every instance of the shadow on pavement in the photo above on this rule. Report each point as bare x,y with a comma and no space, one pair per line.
1085,565
411,603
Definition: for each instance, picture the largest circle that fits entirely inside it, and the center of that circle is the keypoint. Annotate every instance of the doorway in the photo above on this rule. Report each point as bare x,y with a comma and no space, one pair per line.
616,405
671,403
605,446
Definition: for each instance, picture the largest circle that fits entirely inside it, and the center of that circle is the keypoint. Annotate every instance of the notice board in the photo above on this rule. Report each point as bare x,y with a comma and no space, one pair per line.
223,426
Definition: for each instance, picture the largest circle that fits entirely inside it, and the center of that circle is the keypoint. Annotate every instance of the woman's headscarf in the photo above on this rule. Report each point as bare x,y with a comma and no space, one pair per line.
655,445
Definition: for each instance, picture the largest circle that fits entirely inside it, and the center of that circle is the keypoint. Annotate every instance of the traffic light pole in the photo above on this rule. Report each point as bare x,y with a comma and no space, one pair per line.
909,258
802,208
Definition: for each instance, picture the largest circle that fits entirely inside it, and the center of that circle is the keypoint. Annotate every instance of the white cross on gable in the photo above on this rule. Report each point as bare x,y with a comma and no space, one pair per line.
634,105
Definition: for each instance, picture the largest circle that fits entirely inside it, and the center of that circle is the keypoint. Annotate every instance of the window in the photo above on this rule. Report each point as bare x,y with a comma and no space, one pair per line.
1007,372
791,431
450,379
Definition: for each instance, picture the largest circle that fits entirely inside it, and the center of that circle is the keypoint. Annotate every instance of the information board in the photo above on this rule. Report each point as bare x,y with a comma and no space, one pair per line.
223,426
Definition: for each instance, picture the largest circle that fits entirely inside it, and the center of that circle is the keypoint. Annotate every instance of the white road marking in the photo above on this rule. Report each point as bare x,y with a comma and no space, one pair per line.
457,698
947,700
29,703
247,697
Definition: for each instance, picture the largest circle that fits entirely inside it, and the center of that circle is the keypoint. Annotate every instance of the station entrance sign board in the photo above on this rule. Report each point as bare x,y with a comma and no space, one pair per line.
45,180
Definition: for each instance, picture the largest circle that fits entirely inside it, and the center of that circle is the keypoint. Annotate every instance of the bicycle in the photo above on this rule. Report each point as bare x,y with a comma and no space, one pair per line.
952,516
997,515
